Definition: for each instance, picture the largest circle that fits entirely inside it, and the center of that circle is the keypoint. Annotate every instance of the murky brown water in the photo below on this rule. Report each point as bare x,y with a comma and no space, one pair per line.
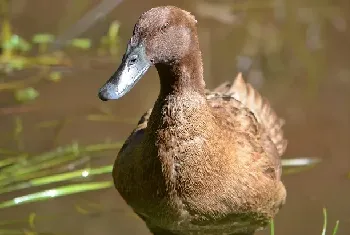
317,126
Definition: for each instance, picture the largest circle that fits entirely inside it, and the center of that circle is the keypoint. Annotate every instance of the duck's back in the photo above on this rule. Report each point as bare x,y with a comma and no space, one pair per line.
242,109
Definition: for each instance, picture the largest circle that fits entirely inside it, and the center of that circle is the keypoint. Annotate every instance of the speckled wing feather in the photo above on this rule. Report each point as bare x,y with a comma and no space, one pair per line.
237,98
266,116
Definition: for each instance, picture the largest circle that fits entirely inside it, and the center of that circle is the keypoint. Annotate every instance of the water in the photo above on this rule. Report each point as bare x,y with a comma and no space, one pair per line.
311,92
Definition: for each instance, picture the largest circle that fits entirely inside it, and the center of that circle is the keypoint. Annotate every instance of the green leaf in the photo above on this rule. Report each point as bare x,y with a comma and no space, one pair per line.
26,94
81,43
43,38
31,220
55,76
114,31
17,63
17,42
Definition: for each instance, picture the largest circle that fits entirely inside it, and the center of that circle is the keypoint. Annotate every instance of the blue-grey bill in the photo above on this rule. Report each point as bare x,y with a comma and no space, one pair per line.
134,65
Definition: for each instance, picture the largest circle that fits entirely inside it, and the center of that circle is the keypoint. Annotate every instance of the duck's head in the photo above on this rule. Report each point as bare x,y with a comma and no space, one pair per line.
162,35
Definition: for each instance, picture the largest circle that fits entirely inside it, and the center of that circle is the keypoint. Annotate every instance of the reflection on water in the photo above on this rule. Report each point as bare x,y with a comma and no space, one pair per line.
295,52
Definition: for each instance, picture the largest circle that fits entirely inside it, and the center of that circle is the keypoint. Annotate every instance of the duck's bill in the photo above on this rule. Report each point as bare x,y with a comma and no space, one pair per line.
134,65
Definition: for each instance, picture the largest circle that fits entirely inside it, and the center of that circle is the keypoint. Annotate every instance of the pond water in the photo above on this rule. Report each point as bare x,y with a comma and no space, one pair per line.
301,63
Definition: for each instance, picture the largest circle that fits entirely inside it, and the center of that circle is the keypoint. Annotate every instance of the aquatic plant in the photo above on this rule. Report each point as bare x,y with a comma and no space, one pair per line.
14,48
324,227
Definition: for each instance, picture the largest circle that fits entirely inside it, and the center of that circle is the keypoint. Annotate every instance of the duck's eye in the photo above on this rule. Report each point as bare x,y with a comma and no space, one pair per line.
133,60
163,28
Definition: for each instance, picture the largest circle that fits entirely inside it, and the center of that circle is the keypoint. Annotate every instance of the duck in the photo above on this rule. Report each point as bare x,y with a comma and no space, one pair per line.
200,161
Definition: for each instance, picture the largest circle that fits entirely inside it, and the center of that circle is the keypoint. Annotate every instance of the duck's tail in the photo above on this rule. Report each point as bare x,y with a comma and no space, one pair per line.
261,108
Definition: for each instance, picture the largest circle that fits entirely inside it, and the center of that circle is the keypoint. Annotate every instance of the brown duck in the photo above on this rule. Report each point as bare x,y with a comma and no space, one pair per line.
199,162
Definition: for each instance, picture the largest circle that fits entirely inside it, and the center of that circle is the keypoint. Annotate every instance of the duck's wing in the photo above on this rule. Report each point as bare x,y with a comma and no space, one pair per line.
248,111
137,135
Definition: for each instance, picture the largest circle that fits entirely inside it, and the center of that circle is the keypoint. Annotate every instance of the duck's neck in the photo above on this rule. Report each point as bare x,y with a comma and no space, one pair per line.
183,76
182,92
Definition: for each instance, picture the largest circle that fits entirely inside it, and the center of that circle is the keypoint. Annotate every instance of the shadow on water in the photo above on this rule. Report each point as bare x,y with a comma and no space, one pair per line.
308,86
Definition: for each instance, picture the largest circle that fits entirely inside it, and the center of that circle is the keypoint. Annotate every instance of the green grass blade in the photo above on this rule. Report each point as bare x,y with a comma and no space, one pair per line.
272,227
324,229
7,161
34,160
56,192
58,178
31,167
296,165
335,230
299,162
71,175
23,173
